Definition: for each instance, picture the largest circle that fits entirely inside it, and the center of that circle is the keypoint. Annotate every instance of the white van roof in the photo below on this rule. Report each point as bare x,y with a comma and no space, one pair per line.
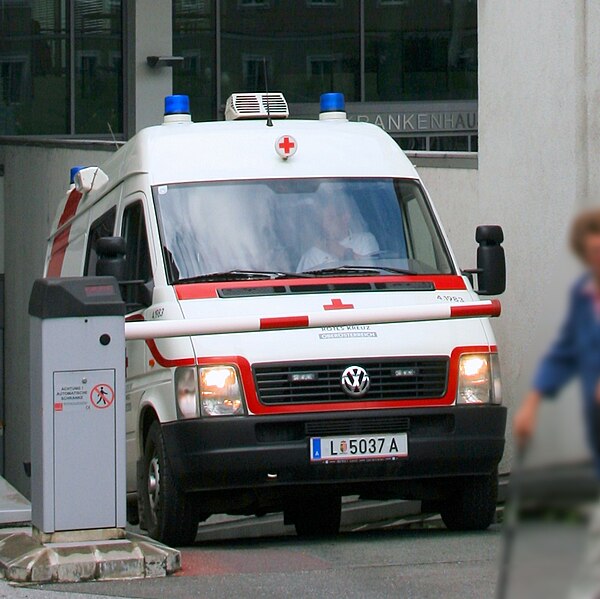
231,150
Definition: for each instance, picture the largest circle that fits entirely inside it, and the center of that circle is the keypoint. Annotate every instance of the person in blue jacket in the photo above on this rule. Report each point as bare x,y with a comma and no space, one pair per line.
576,352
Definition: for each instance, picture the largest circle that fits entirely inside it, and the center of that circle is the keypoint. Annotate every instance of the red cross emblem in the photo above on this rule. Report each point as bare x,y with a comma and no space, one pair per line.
286,146
338,304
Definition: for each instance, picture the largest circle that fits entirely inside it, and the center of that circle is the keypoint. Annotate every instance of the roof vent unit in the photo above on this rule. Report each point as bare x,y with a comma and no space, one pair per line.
254,106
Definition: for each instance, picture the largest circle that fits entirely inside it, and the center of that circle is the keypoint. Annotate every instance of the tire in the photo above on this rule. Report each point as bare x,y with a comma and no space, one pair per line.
317,516
472,504
168,515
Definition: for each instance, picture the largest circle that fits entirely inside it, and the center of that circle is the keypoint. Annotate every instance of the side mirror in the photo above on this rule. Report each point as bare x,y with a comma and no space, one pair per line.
491,262
111,253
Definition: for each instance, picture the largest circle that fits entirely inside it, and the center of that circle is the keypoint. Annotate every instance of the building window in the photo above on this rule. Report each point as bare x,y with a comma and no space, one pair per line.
421,51
98,72
254,72
322,68
415,75
39,92
254,3
194,38
12,79
191,6
192,63
323,2
308,53
87,69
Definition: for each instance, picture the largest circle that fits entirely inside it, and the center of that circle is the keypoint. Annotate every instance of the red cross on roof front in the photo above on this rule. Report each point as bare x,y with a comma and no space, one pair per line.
286,146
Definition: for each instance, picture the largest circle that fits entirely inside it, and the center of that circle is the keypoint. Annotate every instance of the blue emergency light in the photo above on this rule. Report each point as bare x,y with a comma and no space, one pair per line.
74,171
177,104
333,102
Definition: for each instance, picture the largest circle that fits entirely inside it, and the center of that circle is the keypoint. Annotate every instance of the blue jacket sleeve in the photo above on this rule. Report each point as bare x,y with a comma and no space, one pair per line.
560,364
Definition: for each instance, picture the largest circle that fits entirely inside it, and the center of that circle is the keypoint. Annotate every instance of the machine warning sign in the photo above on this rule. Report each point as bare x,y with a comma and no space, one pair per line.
69,395
88,391
102,396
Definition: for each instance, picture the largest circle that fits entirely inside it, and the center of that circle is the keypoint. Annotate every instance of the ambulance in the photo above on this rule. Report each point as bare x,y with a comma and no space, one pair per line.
300,330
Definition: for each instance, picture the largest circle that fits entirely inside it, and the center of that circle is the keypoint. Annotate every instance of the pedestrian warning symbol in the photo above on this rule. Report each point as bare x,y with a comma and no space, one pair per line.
102,396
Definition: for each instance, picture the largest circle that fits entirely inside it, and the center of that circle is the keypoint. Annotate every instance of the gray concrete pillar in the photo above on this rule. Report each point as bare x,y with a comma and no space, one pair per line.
148,32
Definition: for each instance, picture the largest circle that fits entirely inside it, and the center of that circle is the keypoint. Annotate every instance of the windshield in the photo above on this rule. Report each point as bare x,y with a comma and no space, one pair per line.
286,226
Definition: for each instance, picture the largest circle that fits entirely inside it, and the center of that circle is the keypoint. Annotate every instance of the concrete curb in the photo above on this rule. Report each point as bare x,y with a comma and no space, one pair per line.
23,559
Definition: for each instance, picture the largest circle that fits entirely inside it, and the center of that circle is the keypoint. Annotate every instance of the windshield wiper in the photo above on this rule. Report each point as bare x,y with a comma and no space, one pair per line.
241,275
358,270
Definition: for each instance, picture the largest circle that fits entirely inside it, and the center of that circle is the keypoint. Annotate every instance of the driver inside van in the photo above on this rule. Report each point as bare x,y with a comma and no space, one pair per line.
338,242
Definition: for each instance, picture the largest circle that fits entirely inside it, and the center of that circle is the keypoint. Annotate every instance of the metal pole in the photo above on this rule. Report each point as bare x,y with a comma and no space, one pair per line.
334,318
362,51
71,67
218,57
511,519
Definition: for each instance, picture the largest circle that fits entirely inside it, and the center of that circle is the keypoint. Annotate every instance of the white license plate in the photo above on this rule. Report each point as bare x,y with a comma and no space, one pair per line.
365,447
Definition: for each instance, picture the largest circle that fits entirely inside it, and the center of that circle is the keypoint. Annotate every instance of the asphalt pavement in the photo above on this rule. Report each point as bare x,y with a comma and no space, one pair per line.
403,556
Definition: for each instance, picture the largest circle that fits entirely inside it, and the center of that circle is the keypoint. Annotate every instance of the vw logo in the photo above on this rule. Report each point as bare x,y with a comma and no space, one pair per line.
355,381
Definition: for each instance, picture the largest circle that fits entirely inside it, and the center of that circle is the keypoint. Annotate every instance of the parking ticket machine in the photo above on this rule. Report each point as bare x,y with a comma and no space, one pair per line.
77,405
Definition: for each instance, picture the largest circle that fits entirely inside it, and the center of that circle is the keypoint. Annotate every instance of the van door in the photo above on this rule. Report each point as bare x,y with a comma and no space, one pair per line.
137,295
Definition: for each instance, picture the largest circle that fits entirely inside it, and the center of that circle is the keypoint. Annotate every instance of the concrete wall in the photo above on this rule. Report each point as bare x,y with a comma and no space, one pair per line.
535,142
34,179
455,193
150,26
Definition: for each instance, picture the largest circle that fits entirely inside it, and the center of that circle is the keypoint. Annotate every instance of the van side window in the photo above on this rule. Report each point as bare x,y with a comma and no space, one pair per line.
104,226
420,240
139,267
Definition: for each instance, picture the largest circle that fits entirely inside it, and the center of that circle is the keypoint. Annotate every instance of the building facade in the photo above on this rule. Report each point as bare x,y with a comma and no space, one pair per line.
517,81
409,65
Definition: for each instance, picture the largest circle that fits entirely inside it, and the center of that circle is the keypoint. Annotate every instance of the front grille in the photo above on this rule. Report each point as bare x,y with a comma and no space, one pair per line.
320,382
357,426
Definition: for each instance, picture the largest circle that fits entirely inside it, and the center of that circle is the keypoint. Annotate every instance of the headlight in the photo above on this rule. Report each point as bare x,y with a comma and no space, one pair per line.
496,379
220,392
186,392
478,379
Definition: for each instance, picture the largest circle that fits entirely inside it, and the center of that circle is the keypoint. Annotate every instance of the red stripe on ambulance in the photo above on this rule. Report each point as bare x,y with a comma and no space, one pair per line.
61,240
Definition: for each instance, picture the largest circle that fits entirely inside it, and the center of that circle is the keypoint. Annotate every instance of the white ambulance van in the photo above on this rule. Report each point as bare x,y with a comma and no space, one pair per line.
350,355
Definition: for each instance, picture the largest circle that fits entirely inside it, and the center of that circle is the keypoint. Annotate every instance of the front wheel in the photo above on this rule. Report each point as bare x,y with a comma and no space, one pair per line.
317,516
167,514
471,504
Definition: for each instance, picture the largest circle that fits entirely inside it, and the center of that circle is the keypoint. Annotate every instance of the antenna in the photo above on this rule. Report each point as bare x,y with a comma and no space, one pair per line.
269,120
113,135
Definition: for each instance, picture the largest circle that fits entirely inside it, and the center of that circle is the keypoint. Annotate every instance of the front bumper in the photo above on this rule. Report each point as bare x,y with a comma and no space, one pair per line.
256,452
